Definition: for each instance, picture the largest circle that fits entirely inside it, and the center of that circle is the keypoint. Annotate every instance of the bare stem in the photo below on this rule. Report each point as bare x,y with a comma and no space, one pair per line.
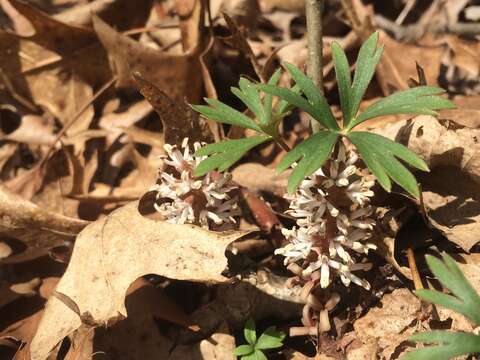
313,11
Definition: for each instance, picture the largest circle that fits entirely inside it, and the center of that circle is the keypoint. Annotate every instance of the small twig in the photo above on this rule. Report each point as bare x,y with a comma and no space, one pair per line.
417,281
280,142
352,15
406,10
313,11
75,118
417,30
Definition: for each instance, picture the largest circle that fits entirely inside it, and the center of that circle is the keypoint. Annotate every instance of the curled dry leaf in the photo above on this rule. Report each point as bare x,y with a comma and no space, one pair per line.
23,220
179,120
450,197
113,252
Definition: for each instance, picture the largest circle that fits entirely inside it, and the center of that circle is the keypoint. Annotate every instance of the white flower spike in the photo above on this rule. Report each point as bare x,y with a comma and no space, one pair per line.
332,212
184,199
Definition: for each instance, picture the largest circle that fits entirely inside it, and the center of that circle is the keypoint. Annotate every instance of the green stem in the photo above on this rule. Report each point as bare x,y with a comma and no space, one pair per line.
313,11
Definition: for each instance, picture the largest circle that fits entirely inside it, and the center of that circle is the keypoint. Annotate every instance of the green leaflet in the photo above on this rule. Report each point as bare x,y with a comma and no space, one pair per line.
224,154
314,152
419,100
251,98
323,113
270,339
465,300
243,350
379,155
344,81
368,58
451,344
221,112
250,332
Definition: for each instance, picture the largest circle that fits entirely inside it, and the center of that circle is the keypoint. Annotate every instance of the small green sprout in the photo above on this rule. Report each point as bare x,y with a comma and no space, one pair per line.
270,339
464,299
380,154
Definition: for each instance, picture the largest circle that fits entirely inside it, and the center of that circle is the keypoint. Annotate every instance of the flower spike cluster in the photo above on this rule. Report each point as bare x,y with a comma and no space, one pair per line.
184,199
332,212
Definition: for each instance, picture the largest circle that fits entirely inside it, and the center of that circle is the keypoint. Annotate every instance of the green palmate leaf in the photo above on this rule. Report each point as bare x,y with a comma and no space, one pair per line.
368,58
250,96
344,81
465,300
250,332
243,350
289,96
323,113
284,106
223,113
419,100
452,344
397,149
224,154
270,339
379,155
268,98
257,355
314,152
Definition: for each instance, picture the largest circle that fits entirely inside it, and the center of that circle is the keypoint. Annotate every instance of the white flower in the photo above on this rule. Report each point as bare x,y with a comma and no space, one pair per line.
332,210
182,198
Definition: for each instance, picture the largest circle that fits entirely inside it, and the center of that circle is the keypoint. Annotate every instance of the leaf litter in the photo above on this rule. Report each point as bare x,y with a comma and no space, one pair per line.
80,141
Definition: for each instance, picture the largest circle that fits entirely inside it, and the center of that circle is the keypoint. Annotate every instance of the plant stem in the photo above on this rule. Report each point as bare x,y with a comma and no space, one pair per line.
313,11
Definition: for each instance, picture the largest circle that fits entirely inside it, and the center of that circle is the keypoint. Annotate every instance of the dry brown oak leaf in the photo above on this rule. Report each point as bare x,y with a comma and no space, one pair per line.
113,252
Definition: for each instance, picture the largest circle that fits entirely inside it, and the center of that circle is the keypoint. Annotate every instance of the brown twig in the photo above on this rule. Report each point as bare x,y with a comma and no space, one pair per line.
417,281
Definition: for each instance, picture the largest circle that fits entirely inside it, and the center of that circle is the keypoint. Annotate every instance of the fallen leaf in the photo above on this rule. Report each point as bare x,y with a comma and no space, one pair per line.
113,252
23,220
449,196
176,75
390,324
395,69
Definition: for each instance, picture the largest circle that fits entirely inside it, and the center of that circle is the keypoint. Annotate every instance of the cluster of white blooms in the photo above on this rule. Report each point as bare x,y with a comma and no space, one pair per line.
182,198
332,211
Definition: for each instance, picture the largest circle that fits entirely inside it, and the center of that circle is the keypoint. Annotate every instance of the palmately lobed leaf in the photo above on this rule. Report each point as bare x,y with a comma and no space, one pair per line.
270,339
368,58
223,113
344,80
243,350
224,154
322,112
451,344
465,300
250,332
313,153
418,100
380,153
